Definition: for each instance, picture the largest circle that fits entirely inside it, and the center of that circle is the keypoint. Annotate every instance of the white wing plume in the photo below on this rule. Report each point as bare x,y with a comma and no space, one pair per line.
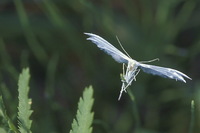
108,48
164,72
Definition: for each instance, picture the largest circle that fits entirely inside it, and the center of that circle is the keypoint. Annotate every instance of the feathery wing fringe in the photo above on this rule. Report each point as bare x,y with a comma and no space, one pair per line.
108,48
164,72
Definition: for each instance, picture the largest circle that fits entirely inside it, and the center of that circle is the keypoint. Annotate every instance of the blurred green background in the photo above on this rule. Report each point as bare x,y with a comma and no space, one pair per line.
47,36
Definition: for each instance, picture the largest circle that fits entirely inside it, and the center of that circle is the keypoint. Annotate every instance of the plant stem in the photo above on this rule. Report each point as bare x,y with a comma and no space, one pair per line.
191,128
135,109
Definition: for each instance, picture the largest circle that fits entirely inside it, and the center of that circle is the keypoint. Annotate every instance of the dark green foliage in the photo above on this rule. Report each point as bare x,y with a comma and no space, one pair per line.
47,36
7,124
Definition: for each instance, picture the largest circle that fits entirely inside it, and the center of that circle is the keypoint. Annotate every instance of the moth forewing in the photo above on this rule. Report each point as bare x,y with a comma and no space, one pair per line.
108,48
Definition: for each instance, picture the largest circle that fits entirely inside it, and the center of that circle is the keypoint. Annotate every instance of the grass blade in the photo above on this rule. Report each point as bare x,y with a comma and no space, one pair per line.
6,62
135,110
33,43
191,128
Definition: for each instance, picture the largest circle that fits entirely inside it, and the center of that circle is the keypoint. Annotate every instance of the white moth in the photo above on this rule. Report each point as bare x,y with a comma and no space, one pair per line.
133,66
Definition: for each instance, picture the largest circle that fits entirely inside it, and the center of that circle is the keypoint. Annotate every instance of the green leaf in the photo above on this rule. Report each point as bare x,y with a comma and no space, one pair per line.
84,116
2,130
6,120
24,102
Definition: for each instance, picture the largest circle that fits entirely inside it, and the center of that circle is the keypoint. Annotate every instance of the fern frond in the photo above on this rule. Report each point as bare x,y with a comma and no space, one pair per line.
24,111
84,116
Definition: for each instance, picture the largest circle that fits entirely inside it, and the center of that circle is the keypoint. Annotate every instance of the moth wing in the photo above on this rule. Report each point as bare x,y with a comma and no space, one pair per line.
108,48
164,72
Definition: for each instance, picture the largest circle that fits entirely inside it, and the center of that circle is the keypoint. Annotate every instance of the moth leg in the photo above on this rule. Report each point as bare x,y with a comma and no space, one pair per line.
127,85
134,78
122,89
123,81
123,68
137,72
122,75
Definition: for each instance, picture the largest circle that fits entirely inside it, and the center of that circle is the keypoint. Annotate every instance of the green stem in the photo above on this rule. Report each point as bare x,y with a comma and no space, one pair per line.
135,109
191,128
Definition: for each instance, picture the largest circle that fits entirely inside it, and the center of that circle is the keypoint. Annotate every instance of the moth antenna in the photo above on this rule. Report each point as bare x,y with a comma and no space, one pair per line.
123,68
156,59
123,47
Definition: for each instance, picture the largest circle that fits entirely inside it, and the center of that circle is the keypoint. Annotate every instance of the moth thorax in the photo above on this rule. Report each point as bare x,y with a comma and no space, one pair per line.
131,65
